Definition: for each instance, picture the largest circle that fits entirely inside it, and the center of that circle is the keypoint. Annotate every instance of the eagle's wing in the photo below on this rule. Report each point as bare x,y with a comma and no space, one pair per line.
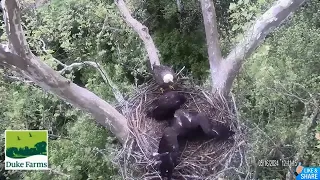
157,74
169,140
223,130
149,66
165,142
166,99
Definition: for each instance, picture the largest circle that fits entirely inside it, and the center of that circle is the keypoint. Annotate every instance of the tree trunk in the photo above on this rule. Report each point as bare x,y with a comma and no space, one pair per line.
212,36
224,71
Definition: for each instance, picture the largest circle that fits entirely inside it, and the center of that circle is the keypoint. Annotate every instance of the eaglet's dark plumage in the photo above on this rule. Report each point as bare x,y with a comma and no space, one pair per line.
184,122
165,106
168,152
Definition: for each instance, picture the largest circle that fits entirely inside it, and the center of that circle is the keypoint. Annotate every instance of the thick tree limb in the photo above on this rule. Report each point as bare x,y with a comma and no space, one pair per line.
272,18
212,36
53,82
141,30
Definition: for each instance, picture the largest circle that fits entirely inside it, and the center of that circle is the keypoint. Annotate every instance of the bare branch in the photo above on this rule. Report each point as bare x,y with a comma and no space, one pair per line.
212,36
52,81
103,29
104,74
141,30
118,95
73,66
45,51
179,6
271,19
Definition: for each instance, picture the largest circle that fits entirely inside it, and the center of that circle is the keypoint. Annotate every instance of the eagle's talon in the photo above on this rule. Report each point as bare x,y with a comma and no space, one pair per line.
161,90
171,87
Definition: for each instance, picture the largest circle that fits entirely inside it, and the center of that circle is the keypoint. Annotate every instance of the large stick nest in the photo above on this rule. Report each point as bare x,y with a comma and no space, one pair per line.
201,159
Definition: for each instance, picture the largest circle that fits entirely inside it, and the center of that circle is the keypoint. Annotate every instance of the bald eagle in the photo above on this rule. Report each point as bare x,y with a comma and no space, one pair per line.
164,77
165,106
168,152
184,122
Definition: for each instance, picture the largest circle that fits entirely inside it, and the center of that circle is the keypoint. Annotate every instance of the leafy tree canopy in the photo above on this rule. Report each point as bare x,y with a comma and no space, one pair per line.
276,91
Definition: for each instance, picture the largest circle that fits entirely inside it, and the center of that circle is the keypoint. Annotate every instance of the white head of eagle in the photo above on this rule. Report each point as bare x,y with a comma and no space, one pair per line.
167,78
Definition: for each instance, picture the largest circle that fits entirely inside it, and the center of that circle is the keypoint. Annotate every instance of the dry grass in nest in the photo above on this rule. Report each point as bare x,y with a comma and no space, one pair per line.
204,159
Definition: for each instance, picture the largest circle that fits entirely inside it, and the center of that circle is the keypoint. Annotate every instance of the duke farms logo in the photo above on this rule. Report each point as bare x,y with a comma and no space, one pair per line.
26,150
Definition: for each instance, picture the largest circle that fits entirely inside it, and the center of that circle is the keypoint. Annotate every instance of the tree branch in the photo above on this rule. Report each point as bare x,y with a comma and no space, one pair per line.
104,74
271,19
45,51
212,36
141,30
52,81
179,6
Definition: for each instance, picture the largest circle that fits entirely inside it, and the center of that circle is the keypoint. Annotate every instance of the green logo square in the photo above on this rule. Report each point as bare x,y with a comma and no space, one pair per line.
26,150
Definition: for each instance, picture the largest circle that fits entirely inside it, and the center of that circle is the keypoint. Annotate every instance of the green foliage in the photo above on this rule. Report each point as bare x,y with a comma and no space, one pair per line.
28,107
76,31
178,51
82,156
180,37
242,15
274,90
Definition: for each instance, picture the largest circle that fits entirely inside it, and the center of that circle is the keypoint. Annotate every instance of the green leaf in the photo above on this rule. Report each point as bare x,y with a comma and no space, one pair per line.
101,53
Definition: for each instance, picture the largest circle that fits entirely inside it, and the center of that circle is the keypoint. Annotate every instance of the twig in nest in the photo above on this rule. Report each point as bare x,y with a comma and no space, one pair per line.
180,70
